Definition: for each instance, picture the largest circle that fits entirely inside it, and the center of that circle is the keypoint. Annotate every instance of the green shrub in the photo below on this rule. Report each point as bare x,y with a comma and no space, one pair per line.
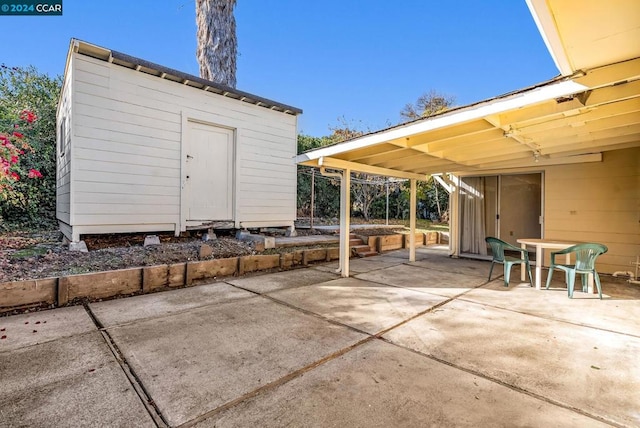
31,203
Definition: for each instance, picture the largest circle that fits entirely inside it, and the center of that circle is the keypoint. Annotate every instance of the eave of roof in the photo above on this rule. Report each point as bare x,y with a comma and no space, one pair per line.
565,120
554,88
586,36
593,107
176,76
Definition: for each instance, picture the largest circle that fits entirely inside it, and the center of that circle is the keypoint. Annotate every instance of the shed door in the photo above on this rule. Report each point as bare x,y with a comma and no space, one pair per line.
209,173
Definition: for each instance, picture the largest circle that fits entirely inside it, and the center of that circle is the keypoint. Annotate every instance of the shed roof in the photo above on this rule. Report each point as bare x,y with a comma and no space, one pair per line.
176,76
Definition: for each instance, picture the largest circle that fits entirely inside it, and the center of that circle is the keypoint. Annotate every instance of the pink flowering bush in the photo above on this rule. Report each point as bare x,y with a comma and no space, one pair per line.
28,101
14,145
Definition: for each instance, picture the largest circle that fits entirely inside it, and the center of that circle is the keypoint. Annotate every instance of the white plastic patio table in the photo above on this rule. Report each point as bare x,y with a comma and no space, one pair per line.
541,244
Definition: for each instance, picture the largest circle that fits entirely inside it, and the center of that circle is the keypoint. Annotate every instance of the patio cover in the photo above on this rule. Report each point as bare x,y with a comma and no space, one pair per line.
593,106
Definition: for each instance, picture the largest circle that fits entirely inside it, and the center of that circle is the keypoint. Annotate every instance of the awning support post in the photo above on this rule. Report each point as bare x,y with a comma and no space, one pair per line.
345,216
345,220
454,216
412,222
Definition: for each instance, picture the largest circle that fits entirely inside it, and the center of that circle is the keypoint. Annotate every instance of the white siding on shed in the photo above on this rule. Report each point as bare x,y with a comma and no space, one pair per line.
128,156
63,152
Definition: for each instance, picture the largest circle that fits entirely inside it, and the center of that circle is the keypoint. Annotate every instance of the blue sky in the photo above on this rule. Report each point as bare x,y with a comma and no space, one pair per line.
361,60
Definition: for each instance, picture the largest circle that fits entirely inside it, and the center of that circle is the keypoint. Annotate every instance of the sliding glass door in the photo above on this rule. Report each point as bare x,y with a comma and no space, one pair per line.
505,206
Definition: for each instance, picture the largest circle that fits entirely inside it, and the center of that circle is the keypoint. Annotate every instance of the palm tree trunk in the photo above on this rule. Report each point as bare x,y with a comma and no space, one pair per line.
217,43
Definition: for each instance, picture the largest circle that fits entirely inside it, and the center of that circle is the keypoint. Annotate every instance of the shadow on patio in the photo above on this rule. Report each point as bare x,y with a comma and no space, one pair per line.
399,344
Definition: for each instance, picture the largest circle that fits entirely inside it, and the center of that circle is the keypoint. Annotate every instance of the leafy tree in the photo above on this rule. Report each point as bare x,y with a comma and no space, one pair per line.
307,142
327,190
365,188
433,200
398,200
31,203
368,192
426,105
217,49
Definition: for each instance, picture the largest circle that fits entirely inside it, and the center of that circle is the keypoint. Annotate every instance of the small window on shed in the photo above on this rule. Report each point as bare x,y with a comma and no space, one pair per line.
62,136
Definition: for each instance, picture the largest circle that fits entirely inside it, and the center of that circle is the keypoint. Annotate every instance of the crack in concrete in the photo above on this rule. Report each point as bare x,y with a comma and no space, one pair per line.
378,336
502,383
272,385
549,318
161,421
135,381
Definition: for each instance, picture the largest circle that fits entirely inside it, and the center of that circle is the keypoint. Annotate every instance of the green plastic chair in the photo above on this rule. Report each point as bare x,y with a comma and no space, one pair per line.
586,255
497,248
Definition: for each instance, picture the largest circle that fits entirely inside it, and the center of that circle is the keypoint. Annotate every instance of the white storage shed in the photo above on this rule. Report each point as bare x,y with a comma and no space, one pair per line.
144,148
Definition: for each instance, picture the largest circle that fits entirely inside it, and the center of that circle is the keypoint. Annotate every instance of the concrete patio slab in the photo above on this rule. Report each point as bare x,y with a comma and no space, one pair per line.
421,252
480,268
194,362
577,367
363,305
56,384
265,283
363,265
217,354
442,283
621,303
43,326
122,311
381,385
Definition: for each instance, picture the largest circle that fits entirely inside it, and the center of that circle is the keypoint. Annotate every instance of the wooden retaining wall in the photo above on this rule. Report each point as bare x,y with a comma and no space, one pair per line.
384,243
102,285
21,293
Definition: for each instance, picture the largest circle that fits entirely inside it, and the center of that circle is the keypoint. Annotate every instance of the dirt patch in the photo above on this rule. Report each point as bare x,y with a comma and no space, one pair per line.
34,255
380,231
41,255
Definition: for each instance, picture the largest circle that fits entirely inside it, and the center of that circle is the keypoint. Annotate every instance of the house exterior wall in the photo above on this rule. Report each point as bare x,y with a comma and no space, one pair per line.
63,154
597,202
128,158
588,202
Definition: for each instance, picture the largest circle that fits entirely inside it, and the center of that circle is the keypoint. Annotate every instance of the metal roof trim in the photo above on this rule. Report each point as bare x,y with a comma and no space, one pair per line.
135,63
